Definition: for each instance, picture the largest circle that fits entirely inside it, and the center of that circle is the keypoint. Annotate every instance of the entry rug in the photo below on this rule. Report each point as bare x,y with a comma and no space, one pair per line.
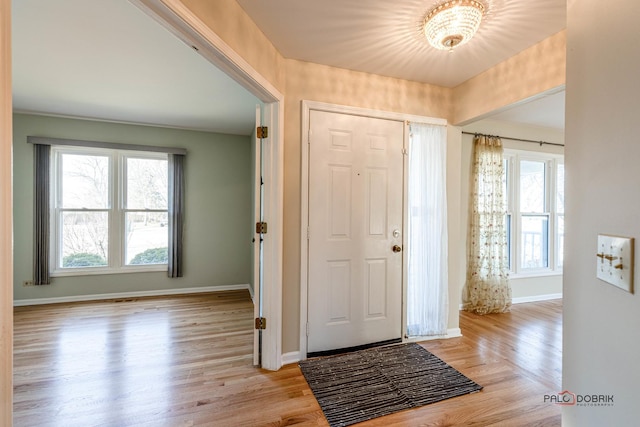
367,384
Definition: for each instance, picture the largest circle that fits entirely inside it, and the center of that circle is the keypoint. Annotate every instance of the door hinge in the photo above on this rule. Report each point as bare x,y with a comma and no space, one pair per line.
261,323
404,151
261,227
262,132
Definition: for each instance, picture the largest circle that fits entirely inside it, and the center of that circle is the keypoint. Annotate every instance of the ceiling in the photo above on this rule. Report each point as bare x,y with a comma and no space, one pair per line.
545,111
385,37
108,60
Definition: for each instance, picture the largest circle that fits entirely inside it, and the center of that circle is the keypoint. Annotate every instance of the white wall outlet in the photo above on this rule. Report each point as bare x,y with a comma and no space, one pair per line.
615,261
27,283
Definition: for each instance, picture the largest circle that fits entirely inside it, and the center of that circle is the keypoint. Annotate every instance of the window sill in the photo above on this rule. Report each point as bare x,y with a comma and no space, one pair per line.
96,272
535,274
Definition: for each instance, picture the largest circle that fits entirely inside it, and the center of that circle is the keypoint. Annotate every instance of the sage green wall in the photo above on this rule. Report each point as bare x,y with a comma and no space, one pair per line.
218,207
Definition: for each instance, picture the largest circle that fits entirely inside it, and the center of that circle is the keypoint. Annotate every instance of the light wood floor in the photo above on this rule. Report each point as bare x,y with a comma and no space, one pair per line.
186,361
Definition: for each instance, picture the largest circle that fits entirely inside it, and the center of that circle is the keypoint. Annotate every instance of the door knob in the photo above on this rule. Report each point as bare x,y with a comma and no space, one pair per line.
396,248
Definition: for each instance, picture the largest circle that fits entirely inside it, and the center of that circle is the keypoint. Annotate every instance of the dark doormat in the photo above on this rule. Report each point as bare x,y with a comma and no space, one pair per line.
367,384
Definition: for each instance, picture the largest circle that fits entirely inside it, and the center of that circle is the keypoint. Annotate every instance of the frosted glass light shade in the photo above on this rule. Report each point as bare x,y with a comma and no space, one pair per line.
453,23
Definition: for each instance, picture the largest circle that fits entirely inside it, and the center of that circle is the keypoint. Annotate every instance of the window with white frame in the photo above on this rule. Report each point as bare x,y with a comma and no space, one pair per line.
109,210
534,184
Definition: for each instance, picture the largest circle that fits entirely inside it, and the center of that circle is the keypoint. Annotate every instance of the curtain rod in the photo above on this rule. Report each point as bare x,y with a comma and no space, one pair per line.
98,144
517,139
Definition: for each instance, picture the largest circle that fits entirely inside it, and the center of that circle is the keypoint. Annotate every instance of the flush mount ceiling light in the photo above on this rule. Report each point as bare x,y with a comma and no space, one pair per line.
453,23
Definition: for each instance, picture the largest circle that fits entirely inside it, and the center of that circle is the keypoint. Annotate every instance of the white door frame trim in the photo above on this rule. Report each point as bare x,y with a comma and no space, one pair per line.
307,106
177,18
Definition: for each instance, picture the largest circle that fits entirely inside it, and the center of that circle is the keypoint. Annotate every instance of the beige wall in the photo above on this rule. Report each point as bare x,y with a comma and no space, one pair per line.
455,211
600,325
6,227
531,72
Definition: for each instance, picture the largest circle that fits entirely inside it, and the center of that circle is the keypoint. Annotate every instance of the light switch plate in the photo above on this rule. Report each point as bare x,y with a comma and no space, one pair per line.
615,261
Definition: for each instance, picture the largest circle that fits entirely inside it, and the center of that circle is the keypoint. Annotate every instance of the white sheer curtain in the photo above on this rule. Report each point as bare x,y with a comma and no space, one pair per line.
427,293
487,289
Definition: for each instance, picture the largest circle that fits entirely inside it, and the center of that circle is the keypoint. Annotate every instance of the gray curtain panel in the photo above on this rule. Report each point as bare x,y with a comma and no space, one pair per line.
176,213
42,155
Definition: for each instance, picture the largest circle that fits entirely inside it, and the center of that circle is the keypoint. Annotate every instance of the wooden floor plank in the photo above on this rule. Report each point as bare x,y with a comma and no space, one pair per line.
187,361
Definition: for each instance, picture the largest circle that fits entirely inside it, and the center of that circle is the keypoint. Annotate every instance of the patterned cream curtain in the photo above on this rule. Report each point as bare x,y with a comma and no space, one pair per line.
487,289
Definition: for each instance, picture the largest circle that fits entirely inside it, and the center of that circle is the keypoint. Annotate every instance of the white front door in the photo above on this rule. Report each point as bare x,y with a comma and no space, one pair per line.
355,220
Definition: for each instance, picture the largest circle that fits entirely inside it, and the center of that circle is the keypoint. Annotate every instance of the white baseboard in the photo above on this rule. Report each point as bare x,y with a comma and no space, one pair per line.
451,333
98,297
536,298
454,333
291,357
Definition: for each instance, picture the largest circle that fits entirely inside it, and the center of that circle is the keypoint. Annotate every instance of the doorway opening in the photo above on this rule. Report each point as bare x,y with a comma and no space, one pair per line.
177,20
